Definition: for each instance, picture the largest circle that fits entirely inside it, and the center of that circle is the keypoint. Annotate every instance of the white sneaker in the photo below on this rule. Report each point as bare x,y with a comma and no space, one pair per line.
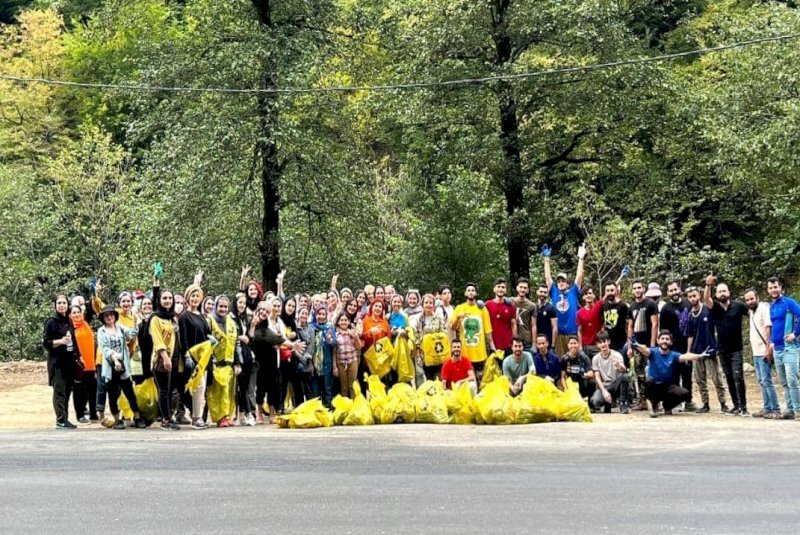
250,421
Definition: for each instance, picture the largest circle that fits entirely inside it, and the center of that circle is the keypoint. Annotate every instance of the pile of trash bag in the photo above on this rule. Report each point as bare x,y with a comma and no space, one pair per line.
540,401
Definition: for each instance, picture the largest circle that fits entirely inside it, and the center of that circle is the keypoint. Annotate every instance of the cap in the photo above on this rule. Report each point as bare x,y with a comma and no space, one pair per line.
653,290
562,275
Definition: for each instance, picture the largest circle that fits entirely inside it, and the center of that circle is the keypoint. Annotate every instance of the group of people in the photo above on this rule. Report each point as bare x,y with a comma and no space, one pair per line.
221,358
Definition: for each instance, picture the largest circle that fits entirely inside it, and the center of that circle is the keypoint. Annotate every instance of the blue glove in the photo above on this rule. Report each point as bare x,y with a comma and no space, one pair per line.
507,301
188,362
92,285
546,251
213,340
626,269
480,303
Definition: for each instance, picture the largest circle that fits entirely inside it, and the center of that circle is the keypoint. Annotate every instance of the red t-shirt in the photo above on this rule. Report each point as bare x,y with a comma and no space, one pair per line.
590,322
453,372
502,316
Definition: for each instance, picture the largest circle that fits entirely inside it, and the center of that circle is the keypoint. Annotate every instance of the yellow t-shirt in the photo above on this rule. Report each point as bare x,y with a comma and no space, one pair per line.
472,330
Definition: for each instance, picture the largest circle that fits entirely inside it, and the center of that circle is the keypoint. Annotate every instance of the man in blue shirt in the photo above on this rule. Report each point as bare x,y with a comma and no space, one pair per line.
784,313
546,364
566,299
701,339
661,362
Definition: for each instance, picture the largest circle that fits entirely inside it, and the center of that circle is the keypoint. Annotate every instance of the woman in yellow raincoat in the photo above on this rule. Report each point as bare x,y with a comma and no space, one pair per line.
222,391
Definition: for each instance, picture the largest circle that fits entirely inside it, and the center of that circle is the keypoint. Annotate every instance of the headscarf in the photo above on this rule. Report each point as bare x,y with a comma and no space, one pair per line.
164,313
289,320
123,294
220,319
189,291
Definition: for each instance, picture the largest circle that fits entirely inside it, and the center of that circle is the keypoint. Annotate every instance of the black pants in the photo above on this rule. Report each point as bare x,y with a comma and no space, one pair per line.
85,392
585,386
268,383
180,399
289,377
164,384
243,401
683,375
117,384
668,394
62,388
432,372
733,366
619,389
304,381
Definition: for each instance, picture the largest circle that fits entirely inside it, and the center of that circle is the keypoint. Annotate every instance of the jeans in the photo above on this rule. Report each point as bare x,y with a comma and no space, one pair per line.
322,387
786,362
768,393
164,384
102,393
732,365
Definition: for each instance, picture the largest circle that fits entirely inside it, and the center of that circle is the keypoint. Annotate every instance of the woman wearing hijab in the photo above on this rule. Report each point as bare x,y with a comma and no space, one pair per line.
253,290
163,333
222,391
304,359
86,376
322,360
144,341
62,360
193,330
288,369
433,349
246,382
112,339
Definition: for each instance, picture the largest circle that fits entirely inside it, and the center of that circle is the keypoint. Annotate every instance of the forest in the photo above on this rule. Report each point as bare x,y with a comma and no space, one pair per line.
229,133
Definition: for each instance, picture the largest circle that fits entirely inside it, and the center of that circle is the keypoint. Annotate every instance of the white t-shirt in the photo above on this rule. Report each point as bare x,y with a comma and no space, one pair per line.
760,320
605,366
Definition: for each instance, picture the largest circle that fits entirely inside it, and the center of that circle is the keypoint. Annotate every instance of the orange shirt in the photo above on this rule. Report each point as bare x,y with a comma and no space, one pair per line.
84,338
368,337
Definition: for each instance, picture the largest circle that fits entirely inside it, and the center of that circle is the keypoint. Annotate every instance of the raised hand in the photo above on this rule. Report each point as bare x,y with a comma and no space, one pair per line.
711,280
582,251
546,251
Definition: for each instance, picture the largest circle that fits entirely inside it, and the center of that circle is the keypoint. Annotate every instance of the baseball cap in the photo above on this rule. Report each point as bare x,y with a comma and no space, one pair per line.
562,275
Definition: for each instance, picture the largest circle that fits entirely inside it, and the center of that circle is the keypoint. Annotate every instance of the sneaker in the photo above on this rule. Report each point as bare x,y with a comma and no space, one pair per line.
140,423
653,413
760,414
704,409
623,408
788,415
743,412
689,407
119,424
63,425
69,425
251,420
772,415
242,421
668,412
83,420
182,420
94,418
724,409
198,423
641,406
169,425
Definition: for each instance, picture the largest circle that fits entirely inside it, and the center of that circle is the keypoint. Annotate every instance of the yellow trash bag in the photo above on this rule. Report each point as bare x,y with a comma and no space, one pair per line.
359,413
493,404
379,357
431,409
491,369
376,394
308,415
570,406
146,398
399,406
460,405
403,363
222,394
536,403
201,353
341,406
435,348
430,388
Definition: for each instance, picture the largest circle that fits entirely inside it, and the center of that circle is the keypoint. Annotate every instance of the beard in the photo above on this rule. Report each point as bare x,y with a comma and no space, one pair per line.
752,306
675,298
664,347
724,299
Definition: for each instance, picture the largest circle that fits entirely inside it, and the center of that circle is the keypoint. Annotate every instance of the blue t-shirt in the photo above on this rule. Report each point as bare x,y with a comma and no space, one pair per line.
784,313
701,327
566,305
549,366
660,366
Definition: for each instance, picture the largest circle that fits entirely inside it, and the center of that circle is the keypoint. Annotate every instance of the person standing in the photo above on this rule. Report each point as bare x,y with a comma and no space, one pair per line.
615,318
784,313
760,333
474,328
62,359
546,322
674,317
193,330
162,331
727,316
590,321
642,330
86,375
524,313
701,340
502,316
565,298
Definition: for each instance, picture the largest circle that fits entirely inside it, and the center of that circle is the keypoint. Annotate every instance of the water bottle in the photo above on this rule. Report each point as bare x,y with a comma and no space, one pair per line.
70,346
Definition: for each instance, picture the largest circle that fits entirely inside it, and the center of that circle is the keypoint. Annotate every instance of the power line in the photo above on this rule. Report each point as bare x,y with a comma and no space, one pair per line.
403,86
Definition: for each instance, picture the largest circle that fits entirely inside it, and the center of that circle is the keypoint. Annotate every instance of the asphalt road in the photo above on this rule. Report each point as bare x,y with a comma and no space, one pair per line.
679,474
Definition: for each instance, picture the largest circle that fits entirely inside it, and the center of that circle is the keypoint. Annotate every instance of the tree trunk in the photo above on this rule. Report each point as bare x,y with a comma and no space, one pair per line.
270,166
513,182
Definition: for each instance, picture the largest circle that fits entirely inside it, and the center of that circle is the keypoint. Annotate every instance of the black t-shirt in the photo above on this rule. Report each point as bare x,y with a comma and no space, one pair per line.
674,317
615,316
576,368
544,314
641,313
729,325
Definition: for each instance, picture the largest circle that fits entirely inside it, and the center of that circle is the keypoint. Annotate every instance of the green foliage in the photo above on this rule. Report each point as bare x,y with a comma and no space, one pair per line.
674,168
